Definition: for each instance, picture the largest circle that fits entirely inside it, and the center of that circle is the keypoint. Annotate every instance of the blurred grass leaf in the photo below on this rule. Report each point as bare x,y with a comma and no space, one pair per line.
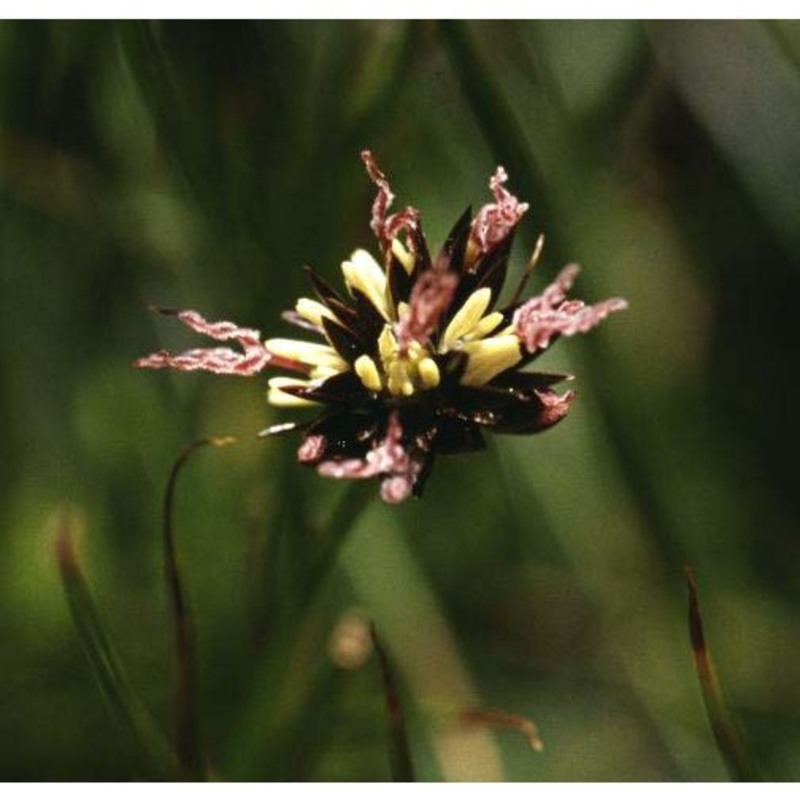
154,759
729,740
283,684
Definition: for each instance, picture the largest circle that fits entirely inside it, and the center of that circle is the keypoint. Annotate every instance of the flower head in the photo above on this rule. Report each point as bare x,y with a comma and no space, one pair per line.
415,359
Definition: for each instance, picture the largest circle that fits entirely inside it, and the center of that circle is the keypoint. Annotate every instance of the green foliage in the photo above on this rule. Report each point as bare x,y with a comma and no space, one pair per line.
150,753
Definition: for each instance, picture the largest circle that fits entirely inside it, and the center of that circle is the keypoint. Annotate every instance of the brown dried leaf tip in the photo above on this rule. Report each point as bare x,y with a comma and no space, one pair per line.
416,360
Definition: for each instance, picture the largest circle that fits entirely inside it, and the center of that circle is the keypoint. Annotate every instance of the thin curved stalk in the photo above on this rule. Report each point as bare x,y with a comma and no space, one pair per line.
187,725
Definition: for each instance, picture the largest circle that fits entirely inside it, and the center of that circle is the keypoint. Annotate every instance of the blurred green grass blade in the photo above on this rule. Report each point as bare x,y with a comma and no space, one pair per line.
352,502
283,681
388,581
402,765
496,119
153,756
729,740
187,724
374,102
787,45
498,123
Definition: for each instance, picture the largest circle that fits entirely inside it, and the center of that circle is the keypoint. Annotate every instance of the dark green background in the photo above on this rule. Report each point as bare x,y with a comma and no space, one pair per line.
201,165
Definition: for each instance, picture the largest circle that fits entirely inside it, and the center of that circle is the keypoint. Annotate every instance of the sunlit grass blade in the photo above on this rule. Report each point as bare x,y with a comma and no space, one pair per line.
187,726
154,760
727,735
402,765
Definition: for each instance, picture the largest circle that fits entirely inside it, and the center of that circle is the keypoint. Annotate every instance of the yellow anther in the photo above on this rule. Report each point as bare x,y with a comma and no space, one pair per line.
415,350
490,357
398,381
402,255
387,343
277,397
428,373
315,355
313,311
362,272
467,317
406,373
485,327
367,371
323,373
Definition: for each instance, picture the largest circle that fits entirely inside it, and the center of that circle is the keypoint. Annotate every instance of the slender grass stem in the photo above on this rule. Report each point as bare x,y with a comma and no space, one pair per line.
187,723
729,740
402,765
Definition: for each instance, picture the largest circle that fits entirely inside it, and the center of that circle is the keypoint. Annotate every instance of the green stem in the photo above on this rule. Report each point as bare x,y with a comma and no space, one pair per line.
187,724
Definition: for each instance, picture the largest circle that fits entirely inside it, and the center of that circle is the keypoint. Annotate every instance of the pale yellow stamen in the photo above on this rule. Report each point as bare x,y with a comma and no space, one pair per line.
323,373
485,327
363,273
405,373
310,353
467,317
277,397
402,255
490,357
313,311
367,371
415,350
387,344
428,373
399,380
